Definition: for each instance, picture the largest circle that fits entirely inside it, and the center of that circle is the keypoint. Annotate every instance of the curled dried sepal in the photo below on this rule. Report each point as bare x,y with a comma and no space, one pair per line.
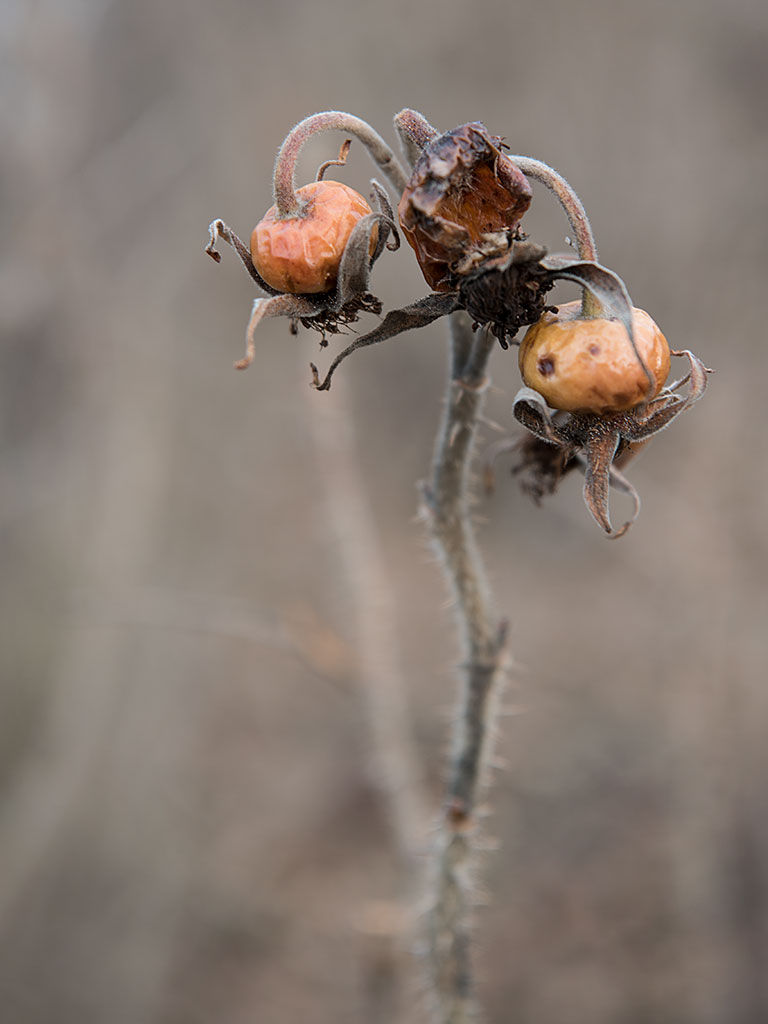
599,452
506,289
418,314
597,442
218,229
619,482
462,188
530,409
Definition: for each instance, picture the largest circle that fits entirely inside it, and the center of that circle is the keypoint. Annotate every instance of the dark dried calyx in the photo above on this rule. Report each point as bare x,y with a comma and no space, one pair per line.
507,292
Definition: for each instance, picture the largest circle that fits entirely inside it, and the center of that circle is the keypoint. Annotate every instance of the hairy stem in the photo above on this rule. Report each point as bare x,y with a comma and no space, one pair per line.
331,120
415,133
577,218
483,640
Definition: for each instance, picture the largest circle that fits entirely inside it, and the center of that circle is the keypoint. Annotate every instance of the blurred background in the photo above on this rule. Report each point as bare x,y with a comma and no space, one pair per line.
224,642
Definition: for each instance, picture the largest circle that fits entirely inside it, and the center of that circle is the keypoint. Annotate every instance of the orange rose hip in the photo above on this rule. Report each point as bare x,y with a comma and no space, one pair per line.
301,254
580,365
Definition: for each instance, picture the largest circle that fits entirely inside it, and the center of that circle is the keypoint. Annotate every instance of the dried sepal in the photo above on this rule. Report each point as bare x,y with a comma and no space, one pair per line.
462,188
696,378
599,451
620,483
506,290
277,305
217,229
355,267
418,314
530,409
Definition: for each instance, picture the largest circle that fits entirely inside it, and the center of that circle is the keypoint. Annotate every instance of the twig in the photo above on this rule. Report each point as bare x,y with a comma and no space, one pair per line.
446,500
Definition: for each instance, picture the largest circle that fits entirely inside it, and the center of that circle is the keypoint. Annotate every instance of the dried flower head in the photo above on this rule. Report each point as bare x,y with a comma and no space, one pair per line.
462,189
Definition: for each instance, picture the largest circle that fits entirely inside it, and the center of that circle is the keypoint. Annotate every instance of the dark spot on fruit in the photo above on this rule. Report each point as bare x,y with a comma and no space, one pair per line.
594,350
546,366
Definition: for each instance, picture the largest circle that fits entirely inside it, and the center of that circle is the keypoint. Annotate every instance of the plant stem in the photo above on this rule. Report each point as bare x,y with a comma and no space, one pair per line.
577,218
415,133
286,200
446,500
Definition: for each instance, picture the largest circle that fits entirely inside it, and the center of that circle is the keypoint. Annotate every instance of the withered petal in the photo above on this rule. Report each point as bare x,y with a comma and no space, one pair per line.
461,188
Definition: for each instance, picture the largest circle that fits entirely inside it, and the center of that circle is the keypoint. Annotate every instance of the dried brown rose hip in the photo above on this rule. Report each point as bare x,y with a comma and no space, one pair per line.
462,188
588,365
301,254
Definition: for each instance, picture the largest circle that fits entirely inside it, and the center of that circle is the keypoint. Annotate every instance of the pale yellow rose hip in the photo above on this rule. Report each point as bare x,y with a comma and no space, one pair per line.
582,365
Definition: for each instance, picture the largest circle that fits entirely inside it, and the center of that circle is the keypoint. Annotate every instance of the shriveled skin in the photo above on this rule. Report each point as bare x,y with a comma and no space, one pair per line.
301,255
588,365
461,188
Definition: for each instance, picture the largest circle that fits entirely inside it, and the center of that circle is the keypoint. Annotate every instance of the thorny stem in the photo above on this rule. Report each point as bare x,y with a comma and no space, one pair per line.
286,200
577,218
446,500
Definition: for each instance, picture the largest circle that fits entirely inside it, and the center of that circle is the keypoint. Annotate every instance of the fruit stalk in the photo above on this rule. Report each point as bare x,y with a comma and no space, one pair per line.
288,205
573,207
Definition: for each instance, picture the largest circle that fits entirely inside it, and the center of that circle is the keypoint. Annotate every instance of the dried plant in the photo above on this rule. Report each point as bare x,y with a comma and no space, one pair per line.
595,376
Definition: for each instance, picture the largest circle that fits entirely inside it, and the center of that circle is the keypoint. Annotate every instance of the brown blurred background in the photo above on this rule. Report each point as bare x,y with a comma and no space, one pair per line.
215,596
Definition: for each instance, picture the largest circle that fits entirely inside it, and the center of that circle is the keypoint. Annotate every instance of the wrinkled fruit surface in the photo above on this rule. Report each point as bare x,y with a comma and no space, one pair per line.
461,188
302,254
589,365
